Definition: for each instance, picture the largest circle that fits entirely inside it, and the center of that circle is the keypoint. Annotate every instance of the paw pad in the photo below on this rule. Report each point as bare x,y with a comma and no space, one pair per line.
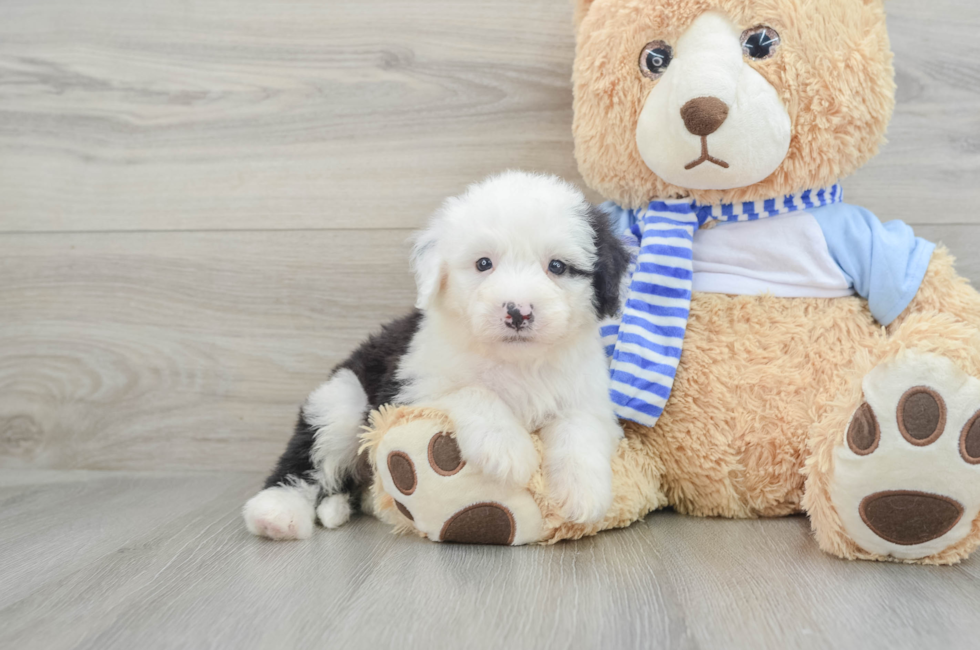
908,517
405,511
444,455
480,523
970,440
447,498
402,471
900,483
921,416
863,434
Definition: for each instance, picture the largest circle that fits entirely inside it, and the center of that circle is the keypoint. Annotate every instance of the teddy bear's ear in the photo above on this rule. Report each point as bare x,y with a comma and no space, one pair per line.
581,8
427,263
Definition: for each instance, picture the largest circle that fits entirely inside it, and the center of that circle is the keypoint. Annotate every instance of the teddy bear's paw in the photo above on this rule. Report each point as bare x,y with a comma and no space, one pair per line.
444,497
906,479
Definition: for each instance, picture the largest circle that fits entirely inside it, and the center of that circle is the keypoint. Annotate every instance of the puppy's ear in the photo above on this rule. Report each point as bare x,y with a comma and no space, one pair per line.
427,264
612,260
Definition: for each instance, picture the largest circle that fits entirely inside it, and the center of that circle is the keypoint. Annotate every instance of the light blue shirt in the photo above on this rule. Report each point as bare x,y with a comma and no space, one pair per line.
802,245
883,262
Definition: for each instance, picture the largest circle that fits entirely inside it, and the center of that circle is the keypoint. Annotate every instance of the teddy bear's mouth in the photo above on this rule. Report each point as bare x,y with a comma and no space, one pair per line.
705,157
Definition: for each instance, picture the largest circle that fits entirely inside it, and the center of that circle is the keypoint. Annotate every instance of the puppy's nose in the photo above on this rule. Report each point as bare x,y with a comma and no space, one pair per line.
704,115
518,316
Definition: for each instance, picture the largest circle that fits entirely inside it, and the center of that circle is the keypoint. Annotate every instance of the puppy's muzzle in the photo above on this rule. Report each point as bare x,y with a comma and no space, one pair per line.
518,317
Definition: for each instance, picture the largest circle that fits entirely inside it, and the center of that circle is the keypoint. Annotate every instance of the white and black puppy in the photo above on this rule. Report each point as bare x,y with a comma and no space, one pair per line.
513,278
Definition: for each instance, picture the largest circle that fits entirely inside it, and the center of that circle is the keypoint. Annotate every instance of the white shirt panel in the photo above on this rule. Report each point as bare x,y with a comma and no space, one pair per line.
786,256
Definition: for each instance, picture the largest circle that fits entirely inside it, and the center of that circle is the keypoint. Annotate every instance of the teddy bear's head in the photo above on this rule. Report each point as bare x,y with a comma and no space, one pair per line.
728,100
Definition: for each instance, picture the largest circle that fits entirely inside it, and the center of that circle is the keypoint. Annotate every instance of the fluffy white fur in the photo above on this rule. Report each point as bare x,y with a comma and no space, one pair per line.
496,380
334,511
498,384
336,410
753,140
282,512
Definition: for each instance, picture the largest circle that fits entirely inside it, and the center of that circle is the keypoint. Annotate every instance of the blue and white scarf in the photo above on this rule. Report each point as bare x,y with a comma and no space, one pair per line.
646,339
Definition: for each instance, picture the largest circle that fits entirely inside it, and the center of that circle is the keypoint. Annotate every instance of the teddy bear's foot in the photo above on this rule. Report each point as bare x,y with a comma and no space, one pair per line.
424,478
906,477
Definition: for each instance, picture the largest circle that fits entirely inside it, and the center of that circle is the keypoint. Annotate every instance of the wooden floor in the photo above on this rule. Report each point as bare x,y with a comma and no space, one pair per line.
204,205
108,560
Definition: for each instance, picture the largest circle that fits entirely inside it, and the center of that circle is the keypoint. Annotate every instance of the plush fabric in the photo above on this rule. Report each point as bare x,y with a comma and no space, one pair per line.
779,405
645,341
757,419
833,73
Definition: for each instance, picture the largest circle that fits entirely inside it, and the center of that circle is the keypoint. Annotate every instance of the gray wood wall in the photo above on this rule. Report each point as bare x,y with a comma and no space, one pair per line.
204,206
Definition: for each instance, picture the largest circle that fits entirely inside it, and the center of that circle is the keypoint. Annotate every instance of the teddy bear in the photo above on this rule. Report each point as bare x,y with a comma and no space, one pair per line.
778,351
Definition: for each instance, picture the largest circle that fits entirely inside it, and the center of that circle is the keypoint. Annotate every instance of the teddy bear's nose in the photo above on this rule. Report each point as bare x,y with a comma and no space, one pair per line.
704,115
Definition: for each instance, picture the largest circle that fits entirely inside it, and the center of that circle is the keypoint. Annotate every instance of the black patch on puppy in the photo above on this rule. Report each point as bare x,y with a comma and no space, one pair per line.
612,260
376,360
295,463
374,363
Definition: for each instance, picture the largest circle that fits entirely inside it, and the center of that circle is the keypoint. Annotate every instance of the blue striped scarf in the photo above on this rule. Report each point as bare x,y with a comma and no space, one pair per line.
646,339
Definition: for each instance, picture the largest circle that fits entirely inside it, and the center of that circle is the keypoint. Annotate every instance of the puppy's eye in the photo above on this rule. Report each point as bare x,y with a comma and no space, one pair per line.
484,264
655,58
760,42
557,267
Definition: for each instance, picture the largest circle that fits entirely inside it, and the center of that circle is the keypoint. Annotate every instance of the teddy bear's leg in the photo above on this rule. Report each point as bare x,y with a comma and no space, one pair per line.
894,467
421,483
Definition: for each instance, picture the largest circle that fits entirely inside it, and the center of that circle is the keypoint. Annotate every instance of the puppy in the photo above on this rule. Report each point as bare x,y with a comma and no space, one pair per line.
513,278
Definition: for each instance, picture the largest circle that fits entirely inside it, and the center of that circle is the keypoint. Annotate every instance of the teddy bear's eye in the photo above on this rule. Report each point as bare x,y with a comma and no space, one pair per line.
655,58
760,42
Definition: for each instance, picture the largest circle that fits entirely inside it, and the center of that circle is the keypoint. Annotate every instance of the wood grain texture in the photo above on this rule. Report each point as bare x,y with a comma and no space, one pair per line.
251,114
192,350
180,350
116,560
255,114
929,171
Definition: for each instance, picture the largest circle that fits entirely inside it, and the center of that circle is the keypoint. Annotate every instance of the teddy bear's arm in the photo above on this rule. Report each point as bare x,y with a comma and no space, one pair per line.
885,263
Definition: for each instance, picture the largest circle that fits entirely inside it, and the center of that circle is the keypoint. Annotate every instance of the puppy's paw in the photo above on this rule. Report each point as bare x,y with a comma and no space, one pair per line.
582,490
279,513
334,511
506,454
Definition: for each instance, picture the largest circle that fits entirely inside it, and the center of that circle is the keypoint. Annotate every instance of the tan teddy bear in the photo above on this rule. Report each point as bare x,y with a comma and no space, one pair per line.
829,362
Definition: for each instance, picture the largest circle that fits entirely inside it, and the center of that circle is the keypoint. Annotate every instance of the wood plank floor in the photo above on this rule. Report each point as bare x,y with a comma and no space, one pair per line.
107,560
